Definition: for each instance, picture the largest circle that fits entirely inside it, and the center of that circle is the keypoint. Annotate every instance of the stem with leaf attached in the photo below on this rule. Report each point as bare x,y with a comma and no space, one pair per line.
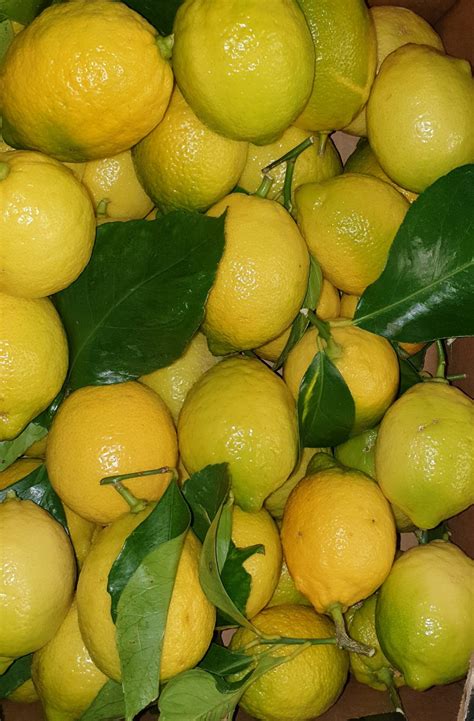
332,348
386,677
136,504
343,639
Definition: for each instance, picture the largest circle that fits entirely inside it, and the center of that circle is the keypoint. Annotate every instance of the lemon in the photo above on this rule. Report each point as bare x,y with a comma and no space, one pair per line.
327,307
420,115
47,225
245,69
349,223
113,182
249,529
424,453
25,693
364,161
286,591
174,382
395,26
345,46
262,276
374,671
184,164
81,533
112,89
275,503
103,431
240,412
190,621
366,361
37,449
311,165
338,537
306,685
35,554
348,305
64,674
424,617
33,360
18,470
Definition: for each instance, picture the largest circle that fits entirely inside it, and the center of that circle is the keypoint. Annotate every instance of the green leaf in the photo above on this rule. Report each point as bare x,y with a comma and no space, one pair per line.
15,675
222,661
6,34
205,491
160,13
141,297
410,368
23,11
37,488
169,519
214,553
326,408
301,322
236,580
427,286
141,621
108,705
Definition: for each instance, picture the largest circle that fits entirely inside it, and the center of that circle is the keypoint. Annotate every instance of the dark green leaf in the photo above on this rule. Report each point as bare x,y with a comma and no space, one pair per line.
325,405
141,297
214,552
169,519
236,580
301,322
23,11
427,286
205,491
160,13
409,375
15,675
37,488
141,621
222,661
391,716
108,705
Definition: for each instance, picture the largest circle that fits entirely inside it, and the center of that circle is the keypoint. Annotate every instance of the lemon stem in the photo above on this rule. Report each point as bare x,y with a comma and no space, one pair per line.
290,155
264,187
441,369
165,45
386,677
290,169
343,640
4,170
321,461
136,504
323,139
101,210
457,377
288,641
332,349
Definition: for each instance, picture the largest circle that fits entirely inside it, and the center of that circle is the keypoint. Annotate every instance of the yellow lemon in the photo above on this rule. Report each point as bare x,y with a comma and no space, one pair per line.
191,618
349,223
306,685
338,537
33,360
38,448
25,693
348,305
103,431
275,503
312,166
420,115
364,161
395,26
245,69
112,89
286,591
328,306
262,276
424,459
36,579
249,529
18,470
184,164
47,225
114,183
345,47
66,678
81,533
240,412
174,382
366,361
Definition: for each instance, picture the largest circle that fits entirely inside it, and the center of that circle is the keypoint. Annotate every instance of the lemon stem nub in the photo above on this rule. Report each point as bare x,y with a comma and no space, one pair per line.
4,170
264,187
165,46
343,639
386,677
323,139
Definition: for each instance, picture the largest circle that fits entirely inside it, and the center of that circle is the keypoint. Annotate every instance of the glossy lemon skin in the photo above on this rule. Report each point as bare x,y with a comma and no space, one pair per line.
104,431
241,413
35,553
364,161
338,537
245,72
424,617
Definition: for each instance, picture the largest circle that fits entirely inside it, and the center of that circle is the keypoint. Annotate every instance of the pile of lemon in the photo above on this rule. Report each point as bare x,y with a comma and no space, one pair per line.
103,119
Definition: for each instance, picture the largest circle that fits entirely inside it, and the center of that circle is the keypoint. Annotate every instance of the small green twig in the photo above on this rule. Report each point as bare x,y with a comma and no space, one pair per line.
457,377
386,677
321,325
343,639
136,504
264,187
323,139
441,368
290,155
290,169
